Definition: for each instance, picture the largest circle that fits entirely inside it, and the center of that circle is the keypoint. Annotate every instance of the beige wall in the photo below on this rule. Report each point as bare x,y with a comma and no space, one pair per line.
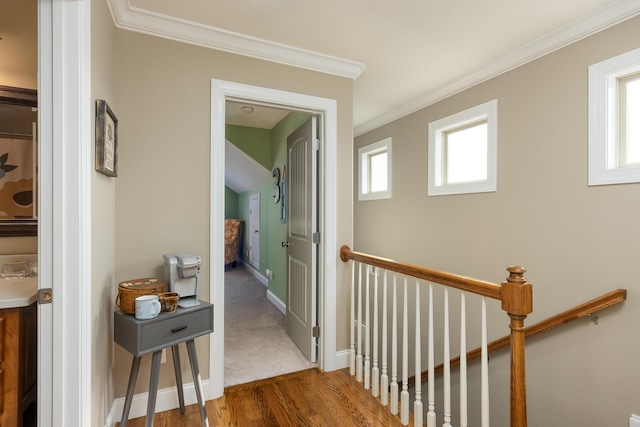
577,242
103,232
162,200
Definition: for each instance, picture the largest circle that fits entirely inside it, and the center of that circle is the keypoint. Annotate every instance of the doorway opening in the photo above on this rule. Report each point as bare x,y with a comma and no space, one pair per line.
327,260
258,340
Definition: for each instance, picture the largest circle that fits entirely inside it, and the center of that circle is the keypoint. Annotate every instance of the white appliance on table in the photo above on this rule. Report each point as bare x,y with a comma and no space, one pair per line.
182,272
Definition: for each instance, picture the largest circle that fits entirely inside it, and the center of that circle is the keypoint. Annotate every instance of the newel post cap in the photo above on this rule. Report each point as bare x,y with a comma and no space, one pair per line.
517,294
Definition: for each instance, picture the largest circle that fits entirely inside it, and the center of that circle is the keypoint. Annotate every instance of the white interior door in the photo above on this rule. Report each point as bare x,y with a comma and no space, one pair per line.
301,224
254,230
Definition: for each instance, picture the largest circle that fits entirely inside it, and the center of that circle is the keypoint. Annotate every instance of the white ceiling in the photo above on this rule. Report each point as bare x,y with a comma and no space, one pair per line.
403,54
258,116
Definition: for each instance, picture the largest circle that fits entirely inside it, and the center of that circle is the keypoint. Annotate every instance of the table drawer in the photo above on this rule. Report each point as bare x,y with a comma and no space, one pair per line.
175,330
140,337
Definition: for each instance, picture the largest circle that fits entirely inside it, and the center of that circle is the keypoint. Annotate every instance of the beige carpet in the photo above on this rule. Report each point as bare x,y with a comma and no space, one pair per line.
256,345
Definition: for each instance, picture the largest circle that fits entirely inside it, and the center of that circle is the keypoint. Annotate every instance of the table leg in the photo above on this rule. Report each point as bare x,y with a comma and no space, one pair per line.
135,367
195,371
153,387
177,369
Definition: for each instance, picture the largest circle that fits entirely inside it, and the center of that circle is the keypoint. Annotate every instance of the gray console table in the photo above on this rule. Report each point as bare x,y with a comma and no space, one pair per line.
140,337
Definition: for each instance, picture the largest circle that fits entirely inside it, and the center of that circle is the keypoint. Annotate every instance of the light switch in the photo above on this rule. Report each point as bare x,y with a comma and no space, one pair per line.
634,421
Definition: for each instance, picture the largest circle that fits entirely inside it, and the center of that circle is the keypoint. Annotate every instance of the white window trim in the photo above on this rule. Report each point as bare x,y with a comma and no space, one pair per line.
488,111
363,154
602,120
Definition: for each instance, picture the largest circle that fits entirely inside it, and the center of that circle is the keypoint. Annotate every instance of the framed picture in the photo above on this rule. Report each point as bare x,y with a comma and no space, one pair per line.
106,139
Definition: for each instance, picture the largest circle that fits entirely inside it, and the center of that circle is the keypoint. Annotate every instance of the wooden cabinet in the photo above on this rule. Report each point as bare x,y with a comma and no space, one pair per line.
18,366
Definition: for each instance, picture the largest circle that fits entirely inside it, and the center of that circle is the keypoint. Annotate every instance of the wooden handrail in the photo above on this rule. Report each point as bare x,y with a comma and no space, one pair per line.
604,301
477,286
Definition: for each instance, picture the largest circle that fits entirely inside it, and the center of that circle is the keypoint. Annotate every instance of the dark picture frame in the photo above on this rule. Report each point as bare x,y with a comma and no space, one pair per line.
106,139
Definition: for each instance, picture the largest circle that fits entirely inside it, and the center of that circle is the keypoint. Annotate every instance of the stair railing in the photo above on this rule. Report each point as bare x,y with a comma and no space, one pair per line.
515,295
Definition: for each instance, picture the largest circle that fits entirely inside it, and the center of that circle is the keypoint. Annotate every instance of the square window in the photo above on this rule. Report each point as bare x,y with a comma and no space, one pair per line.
463,151
614,128
375,170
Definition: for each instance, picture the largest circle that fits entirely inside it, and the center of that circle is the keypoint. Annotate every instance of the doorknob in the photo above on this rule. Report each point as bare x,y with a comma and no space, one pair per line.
285,244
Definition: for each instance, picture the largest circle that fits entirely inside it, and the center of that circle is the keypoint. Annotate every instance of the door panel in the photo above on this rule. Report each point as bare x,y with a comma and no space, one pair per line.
301,251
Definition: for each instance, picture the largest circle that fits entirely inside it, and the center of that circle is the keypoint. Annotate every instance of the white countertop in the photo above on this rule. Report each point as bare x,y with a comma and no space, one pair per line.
19,292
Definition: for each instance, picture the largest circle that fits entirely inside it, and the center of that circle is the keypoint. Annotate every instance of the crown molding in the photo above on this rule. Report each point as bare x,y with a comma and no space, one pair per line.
606,18
145,21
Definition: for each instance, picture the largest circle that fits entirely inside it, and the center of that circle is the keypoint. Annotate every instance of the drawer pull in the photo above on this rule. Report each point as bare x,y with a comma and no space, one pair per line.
178,329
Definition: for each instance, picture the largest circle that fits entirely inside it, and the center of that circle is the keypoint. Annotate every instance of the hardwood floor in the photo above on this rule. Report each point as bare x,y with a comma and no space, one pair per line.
305,398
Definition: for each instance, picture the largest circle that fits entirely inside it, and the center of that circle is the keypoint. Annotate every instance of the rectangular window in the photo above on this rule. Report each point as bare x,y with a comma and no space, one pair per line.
375,170
463,151
614,127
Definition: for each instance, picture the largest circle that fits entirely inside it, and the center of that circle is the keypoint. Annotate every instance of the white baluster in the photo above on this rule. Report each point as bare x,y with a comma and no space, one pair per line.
404,395
463,361
375,371
447,364
352,319
417,405
367,334
484,393
359,327
431,399
393,406
384,378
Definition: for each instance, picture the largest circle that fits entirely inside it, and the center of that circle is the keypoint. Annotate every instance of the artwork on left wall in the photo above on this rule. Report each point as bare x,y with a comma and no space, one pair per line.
106,139
18,162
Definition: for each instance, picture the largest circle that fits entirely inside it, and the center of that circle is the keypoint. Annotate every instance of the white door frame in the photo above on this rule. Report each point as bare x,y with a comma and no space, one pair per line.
327,108
64,223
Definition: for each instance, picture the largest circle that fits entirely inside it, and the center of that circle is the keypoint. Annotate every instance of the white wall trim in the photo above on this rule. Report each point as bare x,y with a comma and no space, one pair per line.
603,19
342,359
167,399
64,229
220,91
277,302
145,21
437,186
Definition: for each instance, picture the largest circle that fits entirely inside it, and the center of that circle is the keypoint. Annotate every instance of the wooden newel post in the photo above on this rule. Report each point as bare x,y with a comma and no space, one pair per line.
517,301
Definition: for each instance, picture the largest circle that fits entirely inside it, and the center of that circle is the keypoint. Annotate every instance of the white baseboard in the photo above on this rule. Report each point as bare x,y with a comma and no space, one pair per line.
166,400
280,305
342,359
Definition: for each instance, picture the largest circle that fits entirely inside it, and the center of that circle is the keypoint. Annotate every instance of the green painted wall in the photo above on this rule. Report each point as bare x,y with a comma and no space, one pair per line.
253,141
230,203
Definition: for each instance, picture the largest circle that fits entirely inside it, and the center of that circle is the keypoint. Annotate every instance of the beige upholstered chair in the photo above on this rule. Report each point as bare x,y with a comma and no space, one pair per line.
232,229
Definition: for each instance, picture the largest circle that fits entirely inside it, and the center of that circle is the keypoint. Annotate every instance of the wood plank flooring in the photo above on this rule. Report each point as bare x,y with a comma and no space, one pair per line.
305,398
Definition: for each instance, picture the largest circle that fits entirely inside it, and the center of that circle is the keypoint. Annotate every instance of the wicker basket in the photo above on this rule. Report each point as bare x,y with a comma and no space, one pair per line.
131,289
